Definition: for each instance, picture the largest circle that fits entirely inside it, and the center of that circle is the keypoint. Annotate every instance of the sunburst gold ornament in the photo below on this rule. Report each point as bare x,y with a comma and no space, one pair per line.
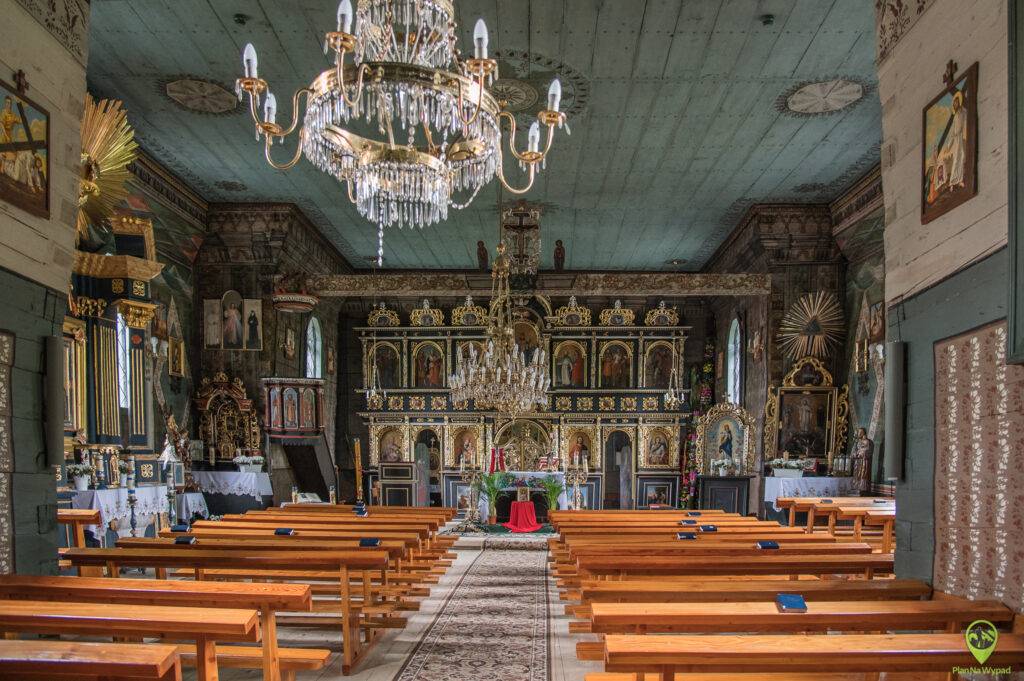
108,146
812,327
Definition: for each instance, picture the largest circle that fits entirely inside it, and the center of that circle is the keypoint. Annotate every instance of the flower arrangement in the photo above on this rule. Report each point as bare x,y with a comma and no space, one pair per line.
76,470
124,467
701,395
789,463
244,460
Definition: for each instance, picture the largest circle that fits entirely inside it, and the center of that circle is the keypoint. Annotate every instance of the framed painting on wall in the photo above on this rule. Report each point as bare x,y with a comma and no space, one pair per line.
24,152
949,149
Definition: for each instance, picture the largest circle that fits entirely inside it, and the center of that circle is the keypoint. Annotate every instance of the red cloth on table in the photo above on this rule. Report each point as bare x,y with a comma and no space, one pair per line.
522,517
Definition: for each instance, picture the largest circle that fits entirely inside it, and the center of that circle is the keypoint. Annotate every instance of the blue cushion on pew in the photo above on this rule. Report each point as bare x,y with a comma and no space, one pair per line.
284,531
693,513
709,528
369,542
686,535
184,540
180,528
687,522
767,544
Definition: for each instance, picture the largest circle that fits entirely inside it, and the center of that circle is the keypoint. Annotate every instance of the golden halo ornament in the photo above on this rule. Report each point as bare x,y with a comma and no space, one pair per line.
812,327
108,146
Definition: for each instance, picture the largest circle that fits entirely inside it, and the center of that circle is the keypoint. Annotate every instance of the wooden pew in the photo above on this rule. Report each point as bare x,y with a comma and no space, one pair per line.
857,615
268,599
848,511
723,591
78,519
102,619
445,512
620,566
74,659
887,519
340,563
807,504
789,653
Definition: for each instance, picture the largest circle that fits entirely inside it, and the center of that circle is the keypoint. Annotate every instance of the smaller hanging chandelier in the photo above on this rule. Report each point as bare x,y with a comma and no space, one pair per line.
675,396
501,378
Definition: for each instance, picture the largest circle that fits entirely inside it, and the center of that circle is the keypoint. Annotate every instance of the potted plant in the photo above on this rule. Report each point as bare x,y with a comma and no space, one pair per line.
553,489
248,464
127,471
81,474
489,487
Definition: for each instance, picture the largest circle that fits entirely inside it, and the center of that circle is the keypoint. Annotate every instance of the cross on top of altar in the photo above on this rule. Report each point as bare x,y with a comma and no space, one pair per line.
520,232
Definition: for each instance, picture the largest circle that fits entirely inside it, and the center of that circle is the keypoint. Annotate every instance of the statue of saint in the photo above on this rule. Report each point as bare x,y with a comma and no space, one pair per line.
863,449
482,256
559,255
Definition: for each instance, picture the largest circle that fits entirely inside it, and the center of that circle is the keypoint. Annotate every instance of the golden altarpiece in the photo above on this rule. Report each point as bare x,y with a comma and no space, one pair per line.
609,369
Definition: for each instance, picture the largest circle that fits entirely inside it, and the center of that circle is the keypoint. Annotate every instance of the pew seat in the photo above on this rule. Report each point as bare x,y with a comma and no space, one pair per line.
74,659
291,660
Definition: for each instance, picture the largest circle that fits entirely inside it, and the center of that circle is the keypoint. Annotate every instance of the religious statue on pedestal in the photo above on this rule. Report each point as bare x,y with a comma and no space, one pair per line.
863,449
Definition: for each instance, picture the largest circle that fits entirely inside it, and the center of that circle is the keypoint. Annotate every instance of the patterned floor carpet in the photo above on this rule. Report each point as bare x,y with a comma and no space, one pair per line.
494,625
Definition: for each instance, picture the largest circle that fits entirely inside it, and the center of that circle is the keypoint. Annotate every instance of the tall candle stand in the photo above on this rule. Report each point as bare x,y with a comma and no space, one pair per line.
471,475
575,476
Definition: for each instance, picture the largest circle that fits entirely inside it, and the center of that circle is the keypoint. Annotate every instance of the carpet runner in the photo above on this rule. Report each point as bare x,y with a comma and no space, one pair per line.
494,626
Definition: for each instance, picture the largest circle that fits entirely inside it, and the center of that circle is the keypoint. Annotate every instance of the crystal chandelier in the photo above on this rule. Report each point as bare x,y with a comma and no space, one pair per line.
405,76
501,378
675,395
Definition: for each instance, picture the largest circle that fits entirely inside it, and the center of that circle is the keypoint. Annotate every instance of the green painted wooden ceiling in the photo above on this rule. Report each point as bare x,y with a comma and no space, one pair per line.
678,115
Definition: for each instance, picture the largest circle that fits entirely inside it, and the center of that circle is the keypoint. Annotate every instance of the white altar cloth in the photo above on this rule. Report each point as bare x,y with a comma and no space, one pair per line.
563,500
256,485
112,504
188,504
818,486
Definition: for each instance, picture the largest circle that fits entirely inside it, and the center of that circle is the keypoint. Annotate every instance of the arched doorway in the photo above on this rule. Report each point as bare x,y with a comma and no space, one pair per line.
428,448
618,469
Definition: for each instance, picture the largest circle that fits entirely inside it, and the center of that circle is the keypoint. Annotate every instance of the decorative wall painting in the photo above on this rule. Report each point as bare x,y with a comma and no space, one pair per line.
291,408
725,441
386,359
570,365
949,164
274,398
527,338
428,366
658,365
659,447
233,323
232,335
579,447
253,326
656,494
307,412
616,365
24,152
290,346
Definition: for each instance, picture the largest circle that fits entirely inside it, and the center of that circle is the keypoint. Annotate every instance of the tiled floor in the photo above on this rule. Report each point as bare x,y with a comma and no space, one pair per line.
386,658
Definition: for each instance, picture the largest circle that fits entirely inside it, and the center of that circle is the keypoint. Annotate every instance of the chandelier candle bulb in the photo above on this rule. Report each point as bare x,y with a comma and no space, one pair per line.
270,109
534,137
555,95
249,61
345,16
480,39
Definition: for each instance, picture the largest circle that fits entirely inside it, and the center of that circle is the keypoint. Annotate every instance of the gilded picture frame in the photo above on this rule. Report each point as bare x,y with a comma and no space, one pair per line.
456,442
727,432
591,440
387,437
609,370
658,376
395,373
421,373
658,448
569,361
806,415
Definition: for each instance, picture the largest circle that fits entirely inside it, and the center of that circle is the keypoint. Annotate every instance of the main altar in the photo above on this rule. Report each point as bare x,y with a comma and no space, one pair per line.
522,479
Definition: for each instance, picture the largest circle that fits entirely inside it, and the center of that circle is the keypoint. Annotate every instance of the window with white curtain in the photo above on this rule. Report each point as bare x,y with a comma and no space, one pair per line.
124,373
314,349
734,356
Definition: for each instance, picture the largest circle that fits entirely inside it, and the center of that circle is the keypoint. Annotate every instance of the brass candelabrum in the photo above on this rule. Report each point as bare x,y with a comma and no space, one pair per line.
575,476
471,475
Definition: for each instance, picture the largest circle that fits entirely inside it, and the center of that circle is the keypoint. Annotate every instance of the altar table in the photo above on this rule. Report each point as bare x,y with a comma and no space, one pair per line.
563,500
819,486
256,485
150,501
522,517
187,504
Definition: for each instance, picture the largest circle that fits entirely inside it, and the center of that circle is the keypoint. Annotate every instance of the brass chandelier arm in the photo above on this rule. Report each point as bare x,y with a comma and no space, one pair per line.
295,159
479,104
530,157
339,67
272,129
500,172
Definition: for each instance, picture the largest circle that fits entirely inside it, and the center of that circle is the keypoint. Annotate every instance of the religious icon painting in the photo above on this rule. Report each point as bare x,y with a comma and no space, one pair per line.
570,365
291,408
385,357
390,446
24,152
659,447
428,365
616,365
212,323
466,447
949,164
307,412
232,335
253,325
274,401
725,440
578,448
805,422
527,338
290,345
658,365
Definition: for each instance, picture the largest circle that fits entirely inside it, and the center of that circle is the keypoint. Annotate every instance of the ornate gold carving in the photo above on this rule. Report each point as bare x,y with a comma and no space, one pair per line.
395,403
375,402
227,419
590,432
628,404
469,314
606,403
650,404
381,316
617,316
813,326
136,315
604,348
809,377
572,314
117,285
90,307
807,372
146,470
417,403
132,225
659,447
457,444
585,403
438,403
663,315
745,452
109,266
563,403
138,288
426,315
389,443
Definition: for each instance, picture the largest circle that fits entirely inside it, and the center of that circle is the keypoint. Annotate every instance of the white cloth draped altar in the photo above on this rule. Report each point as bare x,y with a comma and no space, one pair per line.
112,504
256,485
563,500
817,486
